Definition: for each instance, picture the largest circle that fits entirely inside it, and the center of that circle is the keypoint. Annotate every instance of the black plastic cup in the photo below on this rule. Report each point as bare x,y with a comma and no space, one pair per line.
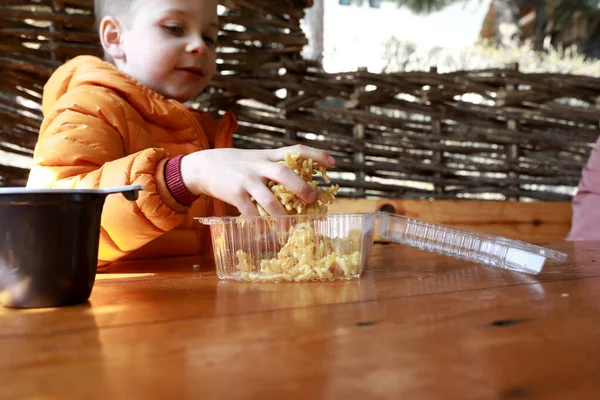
49,244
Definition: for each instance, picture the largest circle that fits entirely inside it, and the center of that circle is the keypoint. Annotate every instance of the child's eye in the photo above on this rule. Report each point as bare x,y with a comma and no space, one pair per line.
174,29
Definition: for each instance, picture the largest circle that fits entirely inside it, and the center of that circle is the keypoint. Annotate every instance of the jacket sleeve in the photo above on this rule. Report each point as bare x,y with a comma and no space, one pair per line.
83,144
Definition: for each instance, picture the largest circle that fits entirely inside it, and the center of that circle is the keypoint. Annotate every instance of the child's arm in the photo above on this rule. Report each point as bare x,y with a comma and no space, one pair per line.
83,144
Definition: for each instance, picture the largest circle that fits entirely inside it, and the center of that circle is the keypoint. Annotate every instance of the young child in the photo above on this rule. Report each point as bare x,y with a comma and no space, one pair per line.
122,121
585,224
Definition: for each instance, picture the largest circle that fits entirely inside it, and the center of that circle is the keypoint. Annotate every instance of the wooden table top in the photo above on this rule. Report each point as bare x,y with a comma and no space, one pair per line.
416,326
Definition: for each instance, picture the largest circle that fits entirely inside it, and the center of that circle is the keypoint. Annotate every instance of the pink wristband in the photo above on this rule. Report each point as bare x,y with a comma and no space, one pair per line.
175,183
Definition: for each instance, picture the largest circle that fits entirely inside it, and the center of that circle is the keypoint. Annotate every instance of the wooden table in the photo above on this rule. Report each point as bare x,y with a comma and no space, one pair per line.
415,326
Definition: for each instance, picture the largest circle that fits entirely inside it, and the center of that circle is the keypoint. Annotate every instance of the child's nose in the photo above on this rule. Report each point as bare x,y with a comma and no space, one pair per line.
197,47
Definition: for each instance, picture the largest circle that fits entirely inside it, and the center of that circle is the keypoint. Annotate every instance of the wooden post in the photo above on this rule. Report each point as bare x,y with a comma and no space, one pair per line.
438,156
513,153
57,6
290,133
598,107
359,135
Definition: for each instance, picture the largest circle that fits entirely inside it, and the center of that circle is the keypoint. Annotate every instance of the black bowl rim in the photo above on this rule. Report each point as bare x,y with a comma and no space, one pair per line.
27,191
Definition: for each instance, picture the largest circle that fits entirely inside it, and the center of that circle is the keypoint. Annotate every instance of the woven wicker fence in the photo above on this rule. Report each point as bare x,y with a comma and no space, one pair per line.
487,134
497,134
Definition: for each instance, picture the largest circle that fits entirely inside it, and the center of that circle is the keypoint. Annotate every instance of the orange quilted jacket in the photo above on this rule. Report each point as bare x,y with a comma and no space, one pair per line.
102,129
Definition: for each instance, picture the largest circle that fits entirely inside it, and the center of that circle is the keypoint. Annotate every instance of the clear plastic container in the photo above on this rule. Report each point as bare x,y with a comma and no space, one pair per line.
320,247
480,248
292,248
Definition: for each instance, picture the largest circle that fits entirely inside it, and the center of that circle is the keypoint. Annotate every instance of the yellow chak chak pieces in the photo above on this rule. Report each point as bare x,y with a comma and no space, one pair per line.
307,256
306,169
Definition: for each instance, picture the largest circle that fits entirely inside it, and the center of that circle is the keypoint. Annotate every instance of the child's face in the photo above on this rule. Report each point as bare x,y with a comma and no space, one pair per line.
170,46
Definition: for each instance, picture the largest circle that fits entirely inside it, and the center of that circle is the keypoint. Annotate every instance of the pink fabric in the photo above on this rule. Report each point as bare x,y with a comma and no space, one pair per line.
585,224
175,184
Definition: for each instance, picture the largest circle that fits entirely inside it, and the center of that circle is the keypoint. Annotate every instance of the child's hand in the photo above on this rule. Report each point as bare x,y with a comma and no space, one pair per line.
235,175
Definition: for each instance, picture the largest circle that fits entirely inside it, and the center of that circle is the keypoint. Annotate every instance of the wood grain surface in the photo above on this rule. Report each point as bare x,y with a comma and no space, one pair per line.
416,326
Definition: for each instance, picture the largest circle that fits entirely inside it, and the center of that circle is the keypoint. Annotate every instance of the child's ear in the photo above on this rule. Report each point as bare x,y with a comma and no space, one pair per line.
111,38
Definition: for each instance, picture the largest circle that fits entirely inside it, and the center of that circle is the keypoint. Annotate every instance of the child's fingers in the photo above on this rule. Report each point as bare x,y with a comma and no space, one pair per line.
291,181
247,207
267,200
306,152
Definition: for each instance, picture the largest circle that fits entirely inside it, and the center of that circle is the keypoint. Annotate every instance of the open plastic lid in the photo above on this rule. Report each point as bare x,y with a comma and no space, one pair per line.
485,249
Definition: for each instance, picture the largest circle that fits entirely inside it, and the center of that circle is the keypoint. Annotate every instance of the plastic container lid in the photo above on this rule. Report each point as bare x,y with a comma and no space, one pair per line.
485,249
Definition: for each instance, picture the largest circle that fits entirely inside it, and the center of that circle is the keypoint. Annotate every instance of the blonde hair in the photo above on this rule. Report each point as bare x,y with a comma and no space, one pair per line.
111,8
